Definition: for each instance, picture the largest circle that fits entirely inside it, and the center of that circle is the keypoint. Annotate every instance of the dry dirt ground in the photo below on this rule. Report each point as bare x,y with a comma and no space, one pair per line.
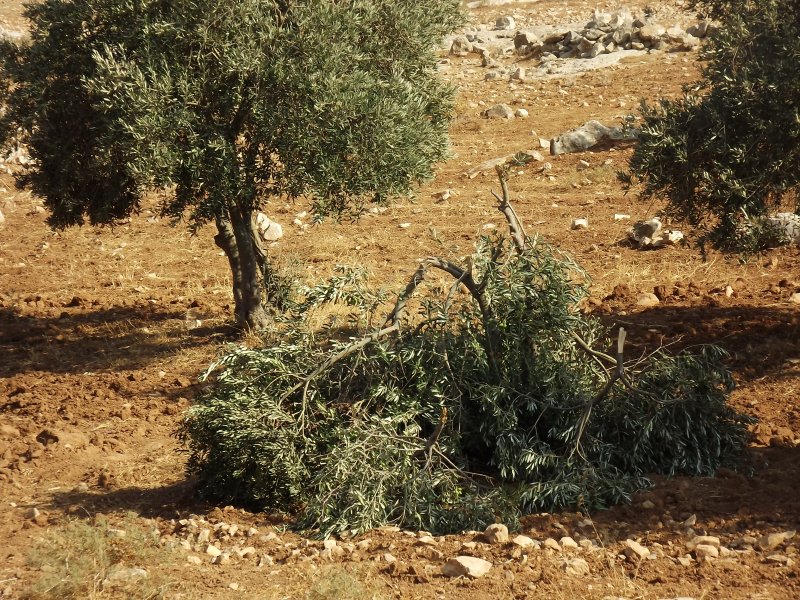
98,359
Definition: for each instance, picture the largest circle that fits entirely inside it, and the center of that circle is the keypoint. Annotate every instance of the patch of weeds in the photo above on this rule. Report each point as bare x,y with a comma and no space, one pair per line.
83,560
338,583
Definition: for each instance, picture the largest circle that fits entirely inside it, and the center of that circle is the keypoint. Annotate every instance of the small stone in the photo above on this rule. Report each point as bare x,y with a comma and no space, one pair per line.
203,536
116,533
521,113
213,551
268,230
505,23
648,505
634,551
552,544
779,559
577,567
247,552
426,540
708,540
466,566
496,533
523,541
773,540
389,558
685,561
795,298
690,521
193,560
582,223
32,513
499,111
702,551
124,575
222,559
568,542
233,586
265,561
647,299
621,217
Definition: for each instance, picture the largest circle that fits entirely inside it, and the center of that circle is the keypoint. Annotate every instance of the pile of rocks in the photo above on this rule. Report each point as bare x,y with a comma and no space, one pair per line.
610,32
605,33
651,235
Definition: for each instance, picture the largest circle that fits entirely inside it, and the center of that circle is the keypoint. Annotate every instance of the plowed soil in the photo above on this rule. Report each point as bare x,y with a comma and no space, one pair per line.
104,332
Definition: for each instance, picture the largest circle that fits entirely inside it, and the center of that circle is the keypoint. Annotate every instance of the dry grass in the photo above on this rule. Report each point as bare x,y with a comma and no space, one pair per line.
79,560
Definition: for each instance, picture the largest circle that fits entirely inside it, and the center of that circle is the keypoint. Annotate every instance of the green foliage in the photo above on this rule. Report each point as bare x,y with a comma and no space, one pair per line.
478,406
226,102
730,147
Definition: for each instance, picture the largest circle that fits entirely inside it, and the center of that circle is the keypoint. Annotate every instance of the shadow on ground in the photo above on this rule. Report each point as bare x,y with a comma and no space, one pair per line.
120,338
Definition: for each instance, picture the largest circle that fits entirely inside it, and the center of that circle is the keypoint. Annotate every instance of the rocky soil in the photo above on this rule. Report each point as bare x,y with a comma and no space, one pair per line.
103,334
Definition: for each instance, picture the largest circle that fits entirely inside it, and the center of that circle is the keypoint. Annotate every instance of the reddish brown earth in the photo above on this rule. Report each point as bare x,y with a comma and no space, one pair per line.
98,360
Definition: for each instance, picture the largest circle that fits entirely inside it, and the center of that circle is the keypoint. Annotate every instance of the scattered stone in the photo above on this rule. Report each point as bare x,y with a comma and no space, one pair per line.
33,513
389,558
773,540
795,298
587,135
444,195
2,217
466,566
648,504
634,551
523,541
708,540
499,111
124,575
568,542
621,217
552,544
581,223
706,551
233,586
268,230
650,235
193,560
427,540
222,559
779,559
576,567
505,23
647,300
521,113
461,46
496,533
213,551
116,533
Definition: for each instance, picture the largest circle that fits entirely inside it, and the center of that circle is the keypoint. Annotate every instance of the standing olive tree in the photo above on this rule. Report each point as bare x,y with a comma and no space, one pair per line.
223,104
730,147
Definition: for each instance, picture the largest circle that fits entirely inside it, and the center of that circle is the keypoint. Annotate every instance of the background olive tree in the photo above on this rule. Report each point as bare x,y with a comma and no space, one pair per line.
729,149
224,104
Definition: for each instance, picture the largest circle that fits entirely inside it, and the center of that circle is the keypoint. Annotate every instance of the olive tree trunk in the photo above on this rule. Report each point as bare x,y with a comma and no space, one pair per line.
237,237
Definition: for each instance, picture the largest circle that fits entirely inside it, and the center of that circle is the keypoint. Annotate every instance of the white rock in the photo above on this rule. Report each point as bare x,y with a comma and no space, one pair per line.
795,298
2,217
647,300
702,551
269,230
193,560
405,225
583,164
523,541
635,551
552,544
124,575
213,551
521,113
568,542
581,223
577,567
466,566
708,540
496,533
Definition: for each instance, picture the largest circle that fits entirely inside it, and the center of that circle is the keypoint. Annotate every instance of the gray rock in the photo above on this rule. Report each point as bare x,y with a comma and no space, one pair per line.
526,41
268,230
706,551
500,111
523,541
587,135
505,23
699,30
461,46
124,575
647,300
633,550
466,566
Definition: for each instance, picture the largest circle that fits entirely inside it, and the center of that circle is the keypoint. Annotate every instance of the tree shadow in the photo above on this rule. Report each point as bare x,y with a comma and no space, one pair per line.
121,338
762,341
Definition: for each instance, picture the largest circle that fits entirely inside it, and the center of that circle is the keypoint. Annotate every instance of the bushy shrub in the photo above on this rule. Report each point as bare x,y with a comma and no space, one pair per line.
489,399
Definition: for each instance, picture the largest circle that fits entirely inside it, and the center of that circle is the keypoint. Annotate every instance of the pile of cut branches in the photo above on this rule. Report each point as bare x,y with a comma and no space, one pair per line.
482,400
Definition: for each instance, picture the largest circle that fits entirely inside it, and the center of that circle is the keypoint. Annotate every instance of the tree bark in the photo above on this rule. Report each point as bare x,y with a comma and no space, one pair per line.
235,236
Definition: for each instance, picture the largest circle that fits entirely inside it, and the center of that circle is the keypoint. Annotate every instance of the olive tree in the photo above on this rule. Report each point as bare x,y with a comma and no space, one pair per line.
224,104
729,149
